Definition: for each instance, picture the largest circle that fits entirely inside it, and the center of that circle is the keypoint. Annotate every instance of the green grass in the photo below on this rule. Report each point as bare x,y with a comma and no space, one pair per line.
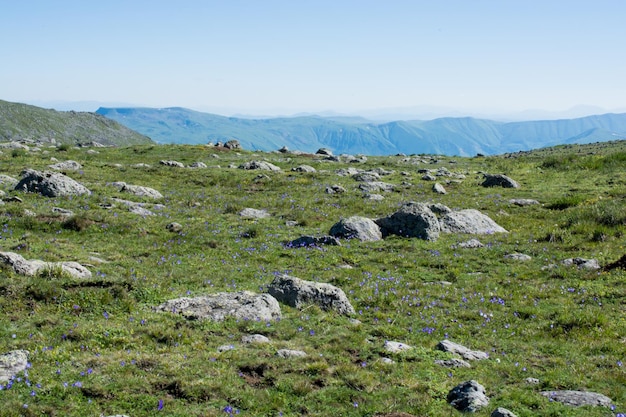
97,347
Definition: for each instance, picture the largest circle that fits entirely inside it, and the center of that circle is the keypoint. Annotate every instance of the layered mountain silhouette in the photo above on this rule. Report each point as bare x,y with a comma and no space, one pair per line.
450,136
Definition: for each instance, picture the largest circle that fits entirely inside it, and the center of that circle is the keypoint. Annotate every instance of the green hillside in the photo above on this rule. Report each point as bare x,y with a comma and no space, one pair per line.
24,122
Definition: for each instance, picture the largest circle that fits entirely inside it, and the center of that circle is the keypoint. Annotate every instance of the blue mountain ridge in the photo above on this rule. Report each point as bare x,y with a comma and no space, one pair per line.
461,136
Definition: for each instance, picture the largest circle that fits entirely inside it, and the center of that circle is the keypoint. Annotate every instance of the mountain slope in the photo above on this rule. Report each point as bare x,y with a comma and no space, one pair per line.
450,136
21,121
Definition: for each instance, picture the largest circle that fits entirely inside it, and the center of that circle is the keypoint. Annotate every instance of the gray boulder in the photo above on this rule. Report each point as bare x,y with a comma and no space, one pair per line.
465,353
254,339
516,256
50,184
324,151
578,398
304,241
468,397
469,221
290,353
174,227
261,165
217,307
347,172
141,191
396,347
335,189
366,177
356,227
412,220
470,244
8,181
502,412
12,363
232,144
297,293
198,165
499,180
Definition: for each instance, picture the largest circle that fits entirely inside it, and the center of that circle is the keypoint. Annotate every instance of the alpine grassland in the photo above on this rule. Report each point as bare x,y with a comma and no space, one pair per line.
97,347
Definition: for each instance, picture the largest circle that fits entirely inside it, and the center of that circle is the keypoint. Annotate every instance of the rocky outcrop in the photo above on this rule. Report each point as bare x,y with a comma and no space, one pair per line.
412,220
35,267
49,184
297,293
356,227
217,307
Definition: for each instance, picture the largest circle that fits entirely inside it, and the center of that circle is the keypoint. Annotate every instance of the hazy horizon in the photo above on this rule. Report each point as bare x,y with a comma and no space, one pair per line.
350,57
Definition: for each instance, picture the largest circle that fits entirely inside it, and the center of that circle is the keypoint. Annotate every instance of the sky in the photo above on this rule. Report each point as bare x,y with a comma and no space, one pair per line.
271,57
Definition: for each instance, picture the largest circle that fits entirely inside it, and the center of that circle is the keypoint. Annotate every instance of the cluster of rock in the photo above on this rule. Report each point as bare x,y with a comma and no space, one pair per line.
413,219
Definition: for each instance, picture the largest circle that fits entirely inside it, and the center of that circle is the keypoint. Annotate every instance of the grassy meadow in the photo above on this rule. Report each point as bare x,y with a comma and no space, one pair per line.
98,348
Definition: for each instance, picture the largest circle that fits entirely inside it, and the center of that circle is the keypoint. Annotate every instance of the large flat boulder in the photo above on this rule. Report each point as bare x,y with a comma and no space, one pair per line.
297,293
469,221
578,398
217,307
50,184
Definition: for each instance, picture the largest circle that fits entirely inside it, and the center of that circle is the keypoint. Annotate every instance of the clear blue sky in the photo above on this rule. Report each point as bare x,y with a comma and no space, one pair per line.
270,57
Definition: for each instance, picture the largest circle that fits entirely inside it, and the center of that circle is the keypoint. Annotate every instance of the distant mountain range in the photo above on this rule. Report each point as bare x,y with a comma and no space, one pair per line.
22,121
461,136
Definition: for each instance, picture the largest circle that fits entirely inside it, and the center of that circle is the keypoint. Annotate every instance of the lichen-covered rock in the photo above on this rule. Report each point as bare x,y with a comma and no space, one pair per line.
357,227
50,184
468,397
251,213
297,293
412,220
12,363
68,165
217,307
469,221
34,267
578,398
465,353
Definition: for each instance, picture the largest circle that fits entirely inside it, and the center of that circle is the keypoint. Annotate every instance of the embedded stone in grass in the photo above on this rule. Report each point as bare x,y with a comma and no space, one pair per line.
396,347
439,189
578,398
516,256
174,227
50,184
261,165
174,164
470,244
453,363
376,186
357,227
582,263
303,168
254,338
297,293
66,165
34,267
502,412
242,305
469,221
523,202
335,189
12,363
141,191
251,213
449,346
289,353
468,397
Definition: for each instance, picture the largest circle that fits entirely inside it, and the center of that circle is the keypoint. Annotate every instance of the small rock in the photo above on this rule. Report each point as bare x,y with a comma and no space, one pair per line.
335,189
516,256
396,347
66,165
356,227
225,348
502,412
250,213
499,180
174,227
453,363
12,363
438,188
523,202
261,165
254,338
289,353
303,168
174,164
448,346
582,263
470,244
305,241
